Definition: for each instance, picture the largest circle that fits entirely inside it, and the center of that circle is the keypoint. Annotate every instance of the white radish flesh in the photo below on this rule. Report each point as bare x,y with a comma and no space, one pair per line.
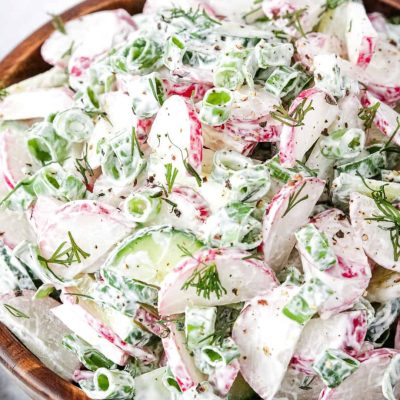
265,351
282,219
241,278
376,241
350,276
35,104
297,140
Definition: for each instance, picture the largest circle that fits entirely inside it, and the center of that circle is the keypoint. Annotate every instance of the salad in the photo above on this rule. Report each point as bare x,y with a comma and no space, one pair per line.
202,202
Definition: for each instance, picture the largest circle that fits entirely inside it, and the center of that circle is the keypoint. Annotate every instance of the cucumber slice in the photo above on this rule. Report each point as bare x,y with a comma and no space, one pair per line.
149,254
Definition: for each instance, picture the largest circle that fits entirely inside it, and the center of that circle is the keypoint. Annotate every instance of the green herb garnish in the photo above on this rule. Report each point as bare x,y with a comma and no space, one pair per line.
367,114
66,255
294,118
83,167
58,23
170,175
293,200
14,311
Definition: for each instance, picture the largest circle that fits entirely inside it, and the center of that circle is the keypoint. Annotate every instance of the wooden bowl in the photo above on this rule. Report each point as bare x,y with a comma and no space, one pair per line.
24,61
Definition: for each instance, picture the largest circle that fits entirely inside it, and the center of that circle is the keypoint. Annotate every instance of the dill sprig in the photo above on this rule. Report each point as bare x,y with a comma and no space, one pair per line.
206,281
83,167
387,147
3,93
293,200
390,215
58,23
14,311
170,175
293,19
191,15
294,118
367,114
66,255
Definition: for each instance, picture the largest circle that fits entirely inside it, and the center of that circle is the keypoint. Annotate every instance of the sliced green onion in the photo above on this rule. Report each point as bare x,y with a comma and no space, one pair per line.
142,56
170,382
234,226
334,366
273,54
53,180
110,384
73,125
250,184
229,71
368,166
90,357
122,159
211,357
307,301
175,49
199,326
282,81
343,143
316,245
226,162
142,205
45,145
216,106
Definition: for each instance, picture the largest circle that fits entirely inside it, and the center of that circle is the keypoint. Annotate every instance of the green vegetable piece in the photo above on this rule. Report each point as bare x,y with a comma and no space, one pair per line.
170,382
216,106
142,206
227,162
91,358
45,145
307,301
122,159
368,166
334,366
142,56
273,54
229,71
282,81
343,143
199,325
174,51
316,245
73,125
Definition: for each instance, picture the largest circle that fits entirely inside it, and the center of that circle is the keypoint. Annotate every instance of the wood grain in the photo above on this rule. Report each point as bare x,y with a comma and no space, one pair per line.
25,61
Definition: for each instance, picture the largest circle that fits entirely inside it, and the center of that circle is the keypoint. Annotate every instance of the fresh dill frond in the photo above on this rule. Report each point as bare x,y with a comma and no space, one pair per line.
293,200
170,176
83,167
367,114
58,23
294,118
14,311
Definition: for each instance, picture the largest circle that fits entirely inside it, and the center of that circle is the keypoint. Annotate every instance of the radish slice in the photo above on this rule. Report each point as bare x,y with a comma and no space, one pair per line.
153,6
180,361
350,276
366,382
287,212
240,278
296,141
265,352
109,324
14,228
190,90
118,107
107,227
384,285
224,377
35,104
96,33
71,315
176,134
215,140
15,160
191,210
313,9
360,35
41,212
375,240
299,386
40,331
386,119
149,386
315,44
345,331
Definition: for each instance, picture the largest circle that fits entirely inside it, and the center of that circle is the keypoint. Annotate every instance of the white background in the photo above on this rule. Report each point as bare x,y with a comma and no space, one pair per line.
18,18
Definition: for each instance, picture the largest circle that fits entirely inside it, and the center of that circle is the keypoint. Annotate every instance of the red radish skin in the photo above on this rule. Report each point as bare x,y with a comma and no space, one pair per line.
223,378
